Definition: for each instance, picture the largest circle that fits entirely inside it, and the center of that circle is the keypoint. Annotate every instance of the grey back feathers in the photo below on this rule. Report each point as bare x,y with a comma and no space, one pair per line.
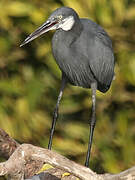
84,54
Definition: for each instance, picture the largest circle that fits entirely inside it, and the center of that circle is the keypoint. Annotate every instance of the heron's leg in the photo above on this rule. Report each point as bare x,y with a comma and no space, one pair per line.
92,122
55,114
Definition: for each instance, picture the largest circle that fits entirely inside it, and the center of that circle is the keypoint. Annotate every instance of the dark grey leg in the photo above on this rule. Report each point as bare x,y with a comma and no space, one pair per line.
55,114
92,122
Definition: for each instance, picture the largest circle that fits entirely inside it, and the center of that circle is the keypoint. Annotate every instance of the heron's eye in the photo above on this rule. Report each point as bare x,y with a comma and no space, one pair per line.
60,17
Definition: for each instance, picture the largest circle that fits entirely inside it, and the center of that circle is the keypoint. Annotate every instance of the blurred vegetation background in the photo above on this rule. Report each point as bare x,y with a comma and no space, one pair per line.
30,82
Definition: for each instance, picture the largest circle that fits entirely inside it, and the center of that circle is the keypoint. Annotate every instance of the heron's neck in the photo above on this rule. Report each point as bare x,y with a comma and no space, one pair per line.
68,37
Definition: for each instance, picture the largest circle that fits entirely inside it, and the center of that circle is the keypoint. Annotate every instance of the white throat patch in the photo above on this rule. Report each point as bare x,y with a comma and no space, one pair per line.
67,23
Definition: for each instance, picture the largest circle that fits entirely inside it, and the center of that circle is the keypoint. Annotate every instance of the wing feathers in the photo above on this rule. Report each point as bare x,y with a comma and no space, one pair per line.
102,64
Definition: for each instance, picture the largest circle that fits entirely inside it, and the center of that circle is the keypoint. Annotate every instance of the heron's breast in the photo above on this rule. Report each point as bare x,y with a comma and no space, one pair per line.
74,65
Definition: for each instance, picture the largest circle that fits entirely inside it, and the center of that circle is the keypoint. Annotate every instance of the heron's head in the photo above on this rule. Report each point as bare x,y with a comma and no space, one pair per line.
62,18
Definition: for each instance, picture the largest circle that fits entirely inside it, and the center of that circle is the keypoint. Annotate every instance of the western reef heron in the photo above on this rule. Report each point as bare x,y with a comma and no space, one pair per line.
84,54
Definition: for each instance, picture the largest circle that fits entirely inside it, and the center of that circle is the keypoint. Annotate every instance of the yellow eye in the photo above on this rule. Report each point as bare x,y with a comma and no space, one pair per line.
60,17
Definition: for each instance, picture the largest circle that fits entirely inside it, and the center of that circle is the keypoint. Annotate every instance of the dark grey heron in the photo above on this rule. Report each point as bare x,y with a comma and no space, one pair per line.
83,52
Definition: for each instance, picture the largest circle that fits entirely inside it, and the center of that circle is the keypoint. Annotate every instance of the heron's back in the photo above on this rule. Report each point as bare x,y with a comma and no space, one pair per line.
86,57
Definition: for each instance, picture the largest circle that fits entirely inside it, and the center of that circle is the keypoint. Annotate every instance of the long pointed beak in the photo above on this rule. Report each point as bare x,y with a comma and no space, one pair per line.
47,26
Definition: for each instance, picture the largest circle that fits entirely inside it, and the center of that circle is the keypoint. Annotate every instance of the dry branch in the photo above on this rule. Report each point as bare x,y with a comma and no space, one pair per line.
7,144
27,159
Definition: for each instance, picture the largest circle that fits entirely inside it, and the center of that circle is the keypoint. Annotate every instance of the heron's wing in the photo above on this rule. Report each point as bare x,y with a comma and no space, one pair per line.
102,63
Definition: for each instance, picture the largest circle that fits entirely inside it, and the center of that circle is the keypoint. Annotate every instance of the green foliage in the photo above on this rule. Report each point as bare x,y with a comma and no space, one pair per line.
30,81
